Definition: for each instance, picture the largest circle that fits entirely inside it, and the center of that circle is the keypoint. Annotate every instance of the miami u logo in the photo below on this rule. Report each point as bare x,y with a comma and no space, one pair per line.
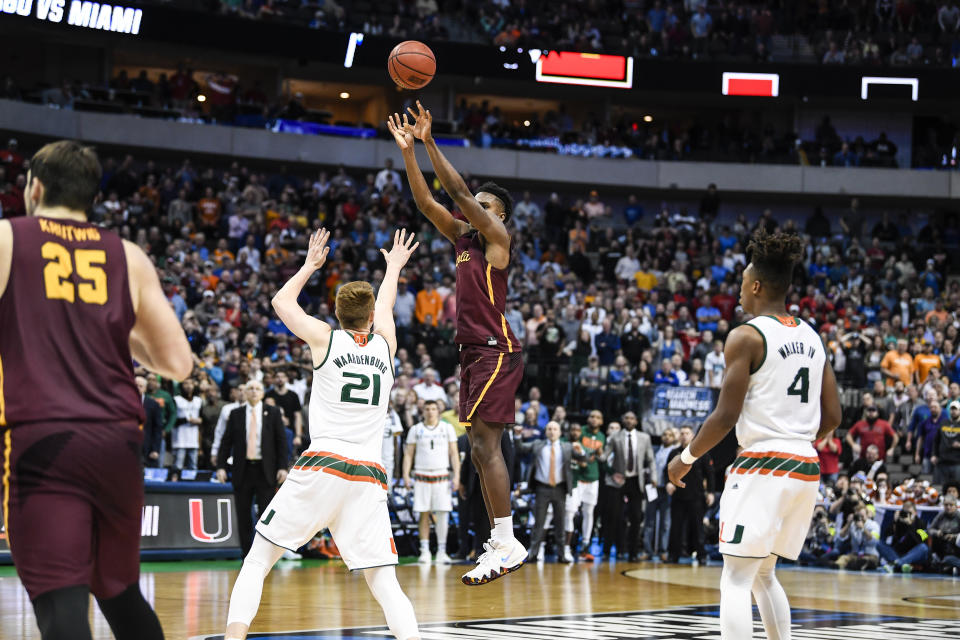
224,521
463,257
737,535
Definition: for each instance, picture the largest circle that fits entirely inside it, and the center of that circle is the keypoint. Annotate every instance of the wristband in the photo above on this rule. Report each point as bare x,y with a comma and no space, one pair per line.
686,457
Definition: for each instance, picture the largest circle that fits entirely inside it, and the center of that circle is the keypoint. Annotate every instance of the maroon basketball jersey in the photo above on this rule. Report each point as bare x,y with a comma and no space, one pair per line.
481,298
65,322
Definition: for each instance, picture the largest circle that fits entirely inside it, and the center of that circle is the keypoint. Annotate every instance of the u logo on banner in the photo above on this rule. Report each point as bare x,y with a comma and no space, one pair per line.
197,529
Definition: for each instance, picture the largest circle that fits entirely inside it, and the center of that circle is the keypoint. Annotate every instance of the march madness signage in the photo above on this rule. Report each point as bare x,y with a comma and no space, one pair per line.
665,406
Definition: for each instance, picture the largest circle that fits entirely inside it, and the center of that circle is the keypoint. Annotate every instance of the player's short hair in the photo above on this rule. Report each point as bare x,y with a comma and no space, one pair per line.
355,301
501,194
70,173
773,256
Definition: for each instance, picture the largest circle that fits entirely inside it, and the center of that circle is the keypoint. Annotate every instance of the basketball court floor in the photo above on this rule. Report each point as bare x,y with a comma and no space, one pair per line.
312,600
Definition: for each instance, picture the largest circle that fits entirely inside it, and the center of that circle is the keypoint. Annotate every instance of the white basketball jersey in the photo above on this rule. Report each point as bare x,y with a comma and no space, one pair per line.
783,399
351,391
433,446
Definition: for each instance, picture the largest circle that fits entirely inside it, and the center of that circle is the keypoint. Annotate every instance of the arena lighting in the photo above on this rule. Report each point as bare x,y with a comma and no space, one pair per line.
356,39
765,85
587,69
201,98
866,81
90,15
648,118
344,95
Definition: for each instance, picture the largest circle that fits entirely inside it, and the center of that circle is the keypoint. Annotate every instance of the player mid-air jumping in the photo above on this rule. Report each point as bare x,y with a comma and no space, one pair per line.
491,364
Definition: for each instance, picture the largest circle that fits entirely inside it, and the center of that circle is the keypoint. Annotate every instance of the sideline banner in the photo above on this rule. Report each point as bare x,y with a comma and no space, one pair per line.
666,406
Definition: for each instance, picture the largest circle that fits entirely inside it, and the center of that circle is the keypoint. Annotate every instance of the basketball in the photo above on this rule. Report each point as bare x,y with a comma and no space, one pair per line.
411,65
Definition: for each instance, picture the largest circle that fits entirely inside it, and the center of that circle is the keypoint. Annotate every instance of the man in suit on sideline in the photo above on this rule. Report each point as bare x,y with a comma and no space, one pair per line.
551,476
152,426
257,440
632,457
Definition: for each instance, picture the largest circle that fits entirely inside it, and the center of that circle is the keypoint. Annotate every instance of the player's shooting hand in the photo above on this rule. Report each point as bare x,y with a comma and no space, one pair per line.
401,135
422,123
318,250
403,248
676,470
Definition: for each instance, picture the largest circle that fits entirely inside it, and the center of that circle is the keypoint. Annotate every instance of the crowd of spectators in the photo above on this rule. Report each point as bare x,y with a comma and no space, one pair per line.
607,301
873,32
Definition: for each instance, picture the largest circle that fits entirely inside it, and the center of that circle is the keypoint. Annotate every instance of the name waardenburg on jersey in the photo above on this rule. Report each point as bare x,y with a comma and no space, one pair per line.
350,358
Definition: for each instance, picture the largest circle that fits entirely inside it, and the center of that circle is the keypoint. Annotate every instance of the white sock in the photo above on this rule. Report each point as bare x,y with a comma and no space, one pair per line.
395,604
425,545
736,614
502,530
245,599
443,527
772,601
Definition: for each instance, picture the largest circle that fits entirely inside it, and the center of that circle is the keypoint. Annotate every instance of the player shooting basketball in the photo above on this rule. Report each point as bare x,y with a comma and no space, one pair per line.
491,362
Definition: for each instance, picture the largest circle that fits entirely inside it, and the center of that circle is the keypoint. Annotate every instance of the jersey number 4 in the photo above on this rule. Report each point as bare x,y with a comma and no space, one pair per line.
57,272
800,385
362,384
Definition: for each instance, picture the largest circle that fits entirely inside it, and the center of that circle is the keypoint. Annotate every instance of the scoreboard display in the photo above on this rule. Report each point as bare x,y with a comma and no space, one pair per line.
587,69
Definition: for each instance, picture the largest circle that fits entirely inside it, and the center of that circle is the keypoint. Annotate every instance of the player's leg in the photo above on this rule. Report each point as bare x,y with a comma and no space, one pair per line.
395,604
424,529
117,507
44,489
483,485
586,527
245,598
442,504
736,583
495,479
62,614
772,601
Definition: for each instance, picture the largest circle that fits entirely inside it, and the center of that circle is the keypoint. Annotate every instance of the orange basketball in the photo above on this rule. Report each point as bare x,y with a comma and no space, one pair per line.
412,65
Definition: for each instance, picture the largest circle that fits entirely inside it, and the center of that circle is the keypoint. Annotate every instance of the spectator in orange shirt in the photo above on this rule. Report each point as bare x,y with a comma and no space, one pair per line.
429,303
222,252
210,208
925,361
937,312
898,364
276,255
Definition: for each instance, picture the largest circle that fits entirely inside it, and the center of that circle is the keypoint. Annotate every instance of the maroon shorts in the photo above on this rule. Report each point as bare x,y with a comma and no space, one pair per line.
489,380
72,498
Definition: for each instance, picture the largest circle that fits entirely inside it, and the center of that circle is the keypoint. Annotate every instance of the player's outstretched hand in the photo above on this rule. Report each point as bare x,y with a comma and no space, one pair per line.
422,123
403,248
401,135
676,470
318,250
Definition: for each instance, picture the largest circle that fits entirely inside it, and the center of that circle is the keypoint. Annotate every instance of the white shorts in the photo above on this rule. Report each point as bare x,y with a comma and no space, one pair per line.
768,500
432,491
584,493
327,490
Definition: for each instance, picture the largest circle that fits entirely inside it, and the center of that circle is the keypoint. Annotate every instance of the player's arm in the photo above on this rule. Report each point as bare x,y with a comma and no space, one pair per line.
408,450
830,411
313,331
6,253
157,340
442,219
743,350
383,324
486,222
